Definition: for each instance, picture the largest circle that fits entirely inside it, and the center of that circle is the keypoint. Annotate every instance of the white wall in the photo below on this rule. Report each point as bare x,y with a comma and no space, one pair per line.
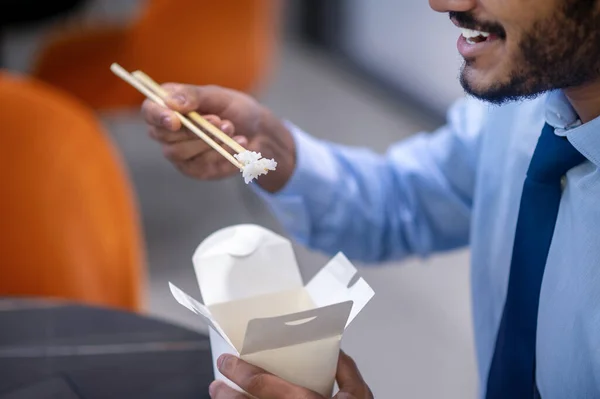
409,44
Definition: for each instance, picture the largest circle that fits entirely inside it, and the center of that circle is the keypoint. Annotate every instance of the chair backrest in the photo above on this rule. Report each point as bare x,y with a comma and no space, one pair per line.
69,225
226,42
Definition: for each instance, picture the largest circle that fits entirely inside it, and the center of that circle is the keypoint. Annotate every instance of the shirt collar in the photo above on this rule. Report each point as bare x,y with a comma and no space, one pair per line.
585,137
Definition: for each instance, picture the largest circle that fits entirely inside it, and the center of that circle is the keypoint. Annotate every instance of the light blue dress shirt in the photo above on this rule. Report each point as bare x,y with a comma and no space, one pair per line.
458,186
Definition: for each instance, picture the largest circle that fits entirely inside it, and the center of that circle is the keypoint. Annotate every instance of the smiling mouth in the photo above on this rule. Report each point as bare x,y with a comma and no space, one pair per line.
475,36
474,43
474,32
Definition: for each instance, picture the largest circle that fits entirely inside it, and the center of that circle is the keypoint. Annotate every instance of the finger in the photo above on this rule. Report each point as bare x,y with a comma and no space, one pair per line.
348,376
214,119
203,99
227,127
213,169
204,167
185,150
259,383
157,115
166,136
241,140
224,125
220,390
198,160
367,394
198,169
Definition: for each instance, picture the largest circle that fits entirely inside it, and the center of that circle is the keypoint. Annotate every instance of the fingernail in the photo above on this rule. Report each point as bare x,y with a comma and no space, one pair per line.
240,140
221,361
165,120
179,99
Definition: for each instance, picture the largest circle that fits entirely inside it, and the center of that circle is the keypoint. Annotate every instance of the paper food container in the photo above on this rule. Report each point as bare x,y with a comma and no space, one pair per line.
258,308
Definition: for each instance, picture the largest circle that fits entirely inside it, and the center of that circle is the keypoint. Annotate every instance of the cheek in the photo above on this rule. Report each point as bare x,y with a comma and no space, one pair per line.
517,14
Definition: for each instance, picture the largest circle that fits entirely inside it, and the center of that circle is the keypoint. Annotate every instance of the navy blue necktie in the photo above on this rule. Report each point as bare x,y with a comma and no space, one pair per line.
512,371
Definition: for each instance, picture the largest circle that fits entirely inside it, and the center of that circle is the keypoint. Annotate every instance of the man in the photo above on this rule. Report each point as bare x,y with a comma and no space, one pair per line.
517,180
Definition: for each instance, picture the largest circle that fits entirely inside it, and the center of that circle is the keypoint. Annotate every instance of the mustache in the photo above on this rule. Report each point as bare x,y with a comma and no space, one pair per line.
468,21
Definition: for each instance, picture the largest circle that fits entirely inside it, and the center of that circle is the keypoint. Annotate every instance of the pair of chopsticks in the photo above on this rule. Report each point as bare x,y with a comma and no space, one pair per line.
153,91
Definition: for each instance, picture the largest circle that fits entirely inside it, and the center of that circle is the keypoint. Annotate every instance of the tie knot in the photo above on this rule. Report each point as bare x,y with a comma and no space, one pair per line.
553,157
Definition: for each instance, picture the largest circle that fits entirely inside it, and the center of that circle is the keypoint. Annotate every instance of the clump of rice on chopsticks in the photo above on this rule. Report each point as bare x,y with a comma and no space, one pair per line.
254,165
250,163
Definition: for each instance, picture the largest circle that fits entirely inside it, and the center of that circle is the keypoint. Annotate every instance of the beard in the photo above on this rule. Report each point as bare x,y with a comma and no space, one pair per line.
556,53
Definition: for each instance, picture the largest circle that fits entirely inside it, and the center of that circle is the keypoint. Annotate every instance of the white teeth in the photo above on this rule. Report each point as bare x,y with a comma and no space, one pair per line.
470,33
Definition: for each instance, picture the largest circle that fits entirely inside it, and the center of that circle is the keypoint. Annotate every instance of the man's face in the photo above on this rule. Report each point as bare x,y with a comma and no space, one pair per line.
521,48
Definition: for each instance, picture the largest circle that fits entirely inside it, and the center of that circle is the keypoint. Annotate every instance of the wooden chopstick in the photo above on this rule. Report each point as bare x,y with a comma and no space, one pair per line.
212,129
133,81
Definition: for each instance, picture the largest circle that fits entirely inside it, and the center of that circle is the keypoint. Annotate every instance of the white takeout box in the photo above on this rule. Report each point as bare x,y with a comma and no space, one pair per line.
257,307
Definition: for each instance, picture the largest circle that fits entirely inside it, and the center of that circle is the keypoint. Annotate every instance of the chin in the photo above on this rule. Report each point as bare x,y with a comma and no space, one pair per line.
485,87
472,81
476,77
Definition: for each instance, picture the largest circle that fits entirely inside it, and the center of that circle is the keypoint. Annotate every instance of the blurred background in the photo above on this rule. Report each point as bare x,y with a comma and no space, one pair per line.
355,72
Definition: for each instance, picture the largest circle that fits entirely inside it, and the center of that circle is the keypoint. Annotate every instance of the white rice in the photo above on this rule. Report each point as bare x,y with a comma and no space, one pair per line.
254,165
247,157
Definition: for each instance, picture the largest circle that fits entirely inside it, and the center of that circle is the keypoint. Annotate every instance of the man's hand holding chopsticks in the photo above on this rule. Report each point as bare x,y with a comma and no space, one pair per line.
236,114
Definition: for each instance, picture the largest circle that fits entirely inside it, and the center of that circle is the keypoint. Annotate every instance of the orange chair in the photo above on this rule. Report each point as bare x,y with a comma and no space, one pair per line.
224,42
69,223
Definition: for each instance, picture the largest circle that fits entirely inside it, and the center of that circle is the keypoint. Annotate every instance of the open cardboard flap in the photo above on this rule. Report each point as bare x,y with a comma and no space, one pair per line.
333,285
201,310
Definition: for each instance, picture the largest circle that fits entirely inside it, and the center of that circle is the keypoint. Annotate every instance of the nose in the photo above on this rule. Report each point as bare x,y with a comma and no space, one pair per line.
453,5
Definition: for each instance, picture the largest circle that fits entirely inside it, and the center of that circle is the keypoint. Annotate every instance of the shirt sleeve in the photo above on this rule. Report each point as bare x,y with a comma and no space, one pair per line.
413,200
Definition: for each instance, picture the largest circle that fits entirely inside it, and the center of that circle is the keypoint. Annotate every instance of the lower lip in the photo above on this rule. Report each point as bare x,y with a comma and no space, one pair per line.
468,50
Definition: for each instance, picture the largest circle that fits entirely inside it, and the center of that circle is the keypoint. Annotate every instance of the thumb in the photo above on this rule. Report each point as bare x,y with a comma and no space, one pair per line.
348,376
202,99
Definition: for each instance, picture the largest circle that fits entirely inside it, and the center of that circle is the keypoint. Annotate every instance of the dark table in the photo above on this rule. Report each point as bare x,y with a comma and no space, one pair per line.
60,350
24,13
